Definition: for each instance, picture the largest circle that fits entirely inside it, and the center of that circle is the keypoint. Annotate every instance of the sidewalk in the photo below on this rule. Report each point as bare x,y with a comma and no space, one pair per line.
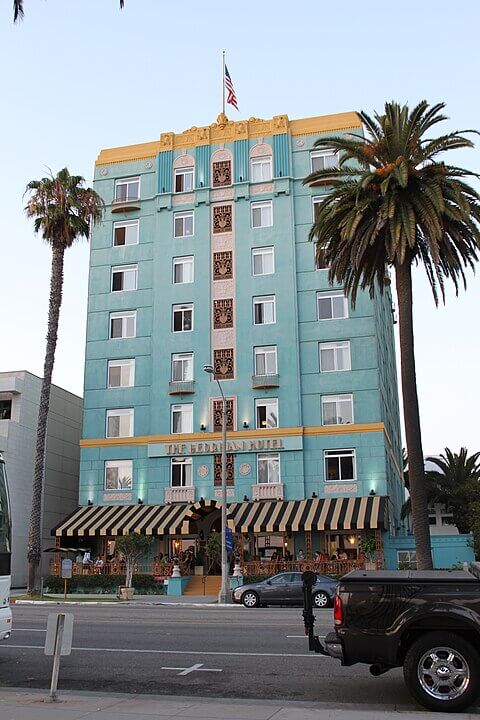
102,599
32,705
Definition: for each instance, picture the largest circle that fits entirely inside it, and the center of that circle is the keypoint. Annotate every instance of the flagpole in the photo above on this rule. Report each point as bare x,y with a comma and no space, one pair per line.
223,83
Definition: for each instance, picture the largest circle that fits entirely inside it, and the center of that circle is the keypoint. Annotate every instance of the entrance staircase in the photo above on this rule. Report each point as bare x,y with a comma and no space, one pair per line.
208,585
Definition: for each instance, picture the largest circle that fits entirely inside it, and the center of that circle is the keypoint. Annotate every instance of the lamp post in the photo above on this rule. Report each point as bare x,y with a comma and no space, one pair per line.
223,595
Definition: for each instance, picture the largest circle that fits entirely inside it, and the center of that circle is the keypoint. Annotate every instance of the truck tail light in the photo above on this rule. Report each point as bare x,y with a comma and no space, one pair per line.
337,610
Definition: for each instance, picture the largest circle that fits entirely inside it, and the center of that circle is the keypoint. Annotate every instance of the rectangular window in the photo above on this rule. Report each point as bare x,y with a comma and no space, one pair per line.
316,202
118,475
268,468
182,367
121,373
123,324
183,269
184,180
261,168
182,418
263,261
319,258
262,214
265,360
5,409
335,356
337,410
124,277
182,318
340,465
407,559
332,305
127,189
120,423
125,233
266,413
183,224
181,472
323,160
264,310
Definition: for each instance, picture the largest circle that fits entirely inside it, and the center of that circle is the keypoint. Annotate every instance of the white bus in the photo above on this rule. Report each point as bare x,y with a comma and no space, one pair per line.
5,555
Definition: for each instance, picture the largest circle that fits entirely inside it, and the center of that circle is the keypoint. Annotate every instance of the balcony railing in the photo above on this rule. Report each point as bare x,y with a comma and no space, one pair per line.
125,204
265,381
334,567
267,491
181,387
180,494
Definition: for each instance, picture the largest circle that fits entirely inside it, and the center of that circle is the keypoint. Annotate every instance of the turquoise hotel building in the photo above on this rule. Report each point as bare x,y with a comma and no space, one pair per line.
202,258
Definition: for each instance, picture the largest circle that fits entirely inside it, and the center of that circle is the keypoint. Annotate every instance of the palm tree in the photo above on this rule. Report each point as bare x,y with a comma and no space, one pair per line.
395,204
63,211
458,480
18,10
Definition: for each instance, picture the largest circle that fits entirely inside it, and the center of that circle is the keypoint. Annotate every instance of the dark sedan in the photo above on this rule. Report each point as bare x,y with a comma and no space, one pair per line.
285,589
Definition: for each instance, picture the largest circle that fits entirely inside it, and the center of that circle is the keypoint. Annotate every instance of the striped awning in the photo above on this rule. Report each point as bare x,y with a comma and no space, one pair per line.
354,513
110,520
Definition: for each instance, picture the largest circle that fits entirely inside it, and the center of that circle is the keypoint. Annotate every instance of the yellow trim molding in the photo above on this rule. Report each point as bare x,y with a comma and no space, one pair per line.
225,130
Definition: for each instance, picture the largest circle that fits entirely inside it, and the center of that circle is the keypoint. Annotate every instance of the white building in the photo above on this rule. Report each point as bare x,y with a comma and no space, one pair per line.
19,402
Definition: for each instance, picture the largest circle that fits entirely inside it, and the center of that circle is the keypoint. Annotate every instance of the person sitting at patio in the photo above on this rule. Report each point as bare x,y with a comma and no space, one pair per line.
319,556
333,558
300,555
342,555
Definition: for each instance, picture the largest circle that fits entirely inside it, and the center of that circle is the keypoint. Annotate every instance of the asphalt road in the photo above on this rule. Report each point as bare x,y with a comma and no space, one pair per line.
211,652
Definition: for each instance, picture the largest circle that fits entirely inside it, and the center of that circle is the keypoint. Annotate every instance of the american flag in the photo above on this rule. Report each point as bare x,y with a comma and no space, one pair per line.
231,97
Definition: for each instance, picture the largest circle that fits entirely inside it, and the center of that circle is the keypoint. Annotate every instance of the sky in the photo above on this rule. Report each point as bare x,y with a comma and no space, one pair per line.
76,77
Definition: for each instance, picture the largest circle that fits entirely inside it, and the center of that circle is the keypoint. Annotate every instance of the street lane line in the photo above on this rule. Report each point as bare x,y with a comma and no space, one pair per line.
176,652
194,668
15,629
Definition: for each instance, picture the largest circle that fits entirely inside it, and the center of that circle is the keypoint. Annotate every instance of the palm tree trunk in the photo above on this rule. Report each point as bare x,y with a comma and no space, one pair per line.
35,529
416,467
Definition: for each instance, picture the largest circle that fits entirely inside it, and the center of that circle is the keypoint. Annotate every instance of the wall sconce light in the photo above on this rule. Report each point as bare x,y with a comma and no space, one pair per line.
241,178
245,498
203,427
280,174
351,539
89,503
140,501
202,499
314,495
245,425
201,183
163,189
372,492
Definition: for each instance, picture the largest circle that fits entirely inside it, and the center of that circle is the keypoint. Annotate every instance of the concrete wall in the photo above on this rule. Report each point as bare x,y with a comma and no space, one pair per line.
17,443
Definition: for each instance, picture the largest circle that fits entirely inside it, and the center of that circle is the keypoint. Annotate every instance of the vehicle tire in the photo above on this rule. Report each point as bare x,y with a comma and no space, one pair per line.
321,599
250,599
441,670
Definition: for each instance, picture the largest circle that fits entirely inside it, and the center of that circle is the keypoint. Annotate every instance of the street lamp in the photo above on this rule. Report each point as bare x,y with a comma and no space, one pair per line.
223,595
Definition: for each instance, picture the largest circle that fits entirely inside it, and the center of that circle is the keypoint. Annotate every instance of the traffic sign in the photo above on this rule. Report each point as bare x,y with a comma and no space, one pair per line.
228,539
67,568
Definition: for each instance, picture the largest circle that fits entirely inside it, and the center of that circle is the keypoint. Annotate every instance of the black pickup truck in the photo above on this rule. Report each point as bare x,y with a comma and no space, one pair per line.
427,622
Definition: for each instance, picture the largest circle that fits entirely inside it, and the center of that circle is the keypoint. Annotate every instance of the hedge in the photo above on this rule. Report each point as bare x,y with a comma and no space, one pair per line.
143,584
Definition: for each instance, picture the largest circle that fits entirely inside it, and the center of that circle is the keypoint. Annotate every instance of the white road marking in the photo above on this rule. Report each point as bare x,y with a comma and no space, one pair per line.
15,629
175,652
304,637
194,668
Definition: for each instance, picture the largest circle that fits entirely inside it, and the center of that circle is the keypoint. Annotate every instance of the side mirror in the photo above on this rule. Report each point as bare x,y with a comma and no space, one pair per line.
268,582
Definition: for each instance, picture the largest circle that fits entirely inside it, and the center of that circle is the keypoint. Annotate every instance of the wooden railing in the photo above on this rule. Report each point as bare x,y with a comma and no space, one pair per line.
333,567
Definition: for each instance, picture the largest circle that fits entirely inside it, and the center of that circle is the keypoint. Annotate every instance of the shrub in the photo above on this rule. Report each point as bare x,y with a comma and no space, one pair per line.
143,584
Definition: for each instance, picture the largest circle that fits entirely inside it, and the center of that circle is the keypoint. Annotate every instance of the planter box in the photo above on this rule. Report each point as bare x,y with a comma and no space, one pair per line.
125,593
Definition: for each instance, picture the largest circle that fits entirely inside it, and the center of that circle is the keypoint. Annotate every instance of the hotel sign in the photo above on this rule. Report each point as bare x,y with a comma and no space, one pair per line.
250,445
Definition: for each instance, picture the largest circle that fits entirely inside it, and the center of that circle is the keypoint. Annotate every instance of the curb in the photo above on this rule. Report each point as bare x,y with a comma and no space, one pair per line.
135,603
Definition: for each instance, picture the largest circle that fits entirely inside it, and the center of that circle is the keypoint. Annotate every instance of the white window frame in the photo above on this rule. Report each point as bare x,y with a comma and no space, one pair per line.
261,161
317,200
182,462
127,181
118,463
339,453
122,315
335,346
268,458
183,260
183,172
412,559
337,399
265,351
262,252
126,363
181,307
120,412
126,224
117,269
329,295
265,402
180,407
182,358
261,205
326,152
259,300
183,215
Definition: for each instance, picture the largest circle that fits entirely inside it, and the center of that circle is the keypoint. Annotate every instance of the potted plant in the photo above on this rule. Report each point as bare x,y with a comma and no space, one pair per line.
131,548
368,547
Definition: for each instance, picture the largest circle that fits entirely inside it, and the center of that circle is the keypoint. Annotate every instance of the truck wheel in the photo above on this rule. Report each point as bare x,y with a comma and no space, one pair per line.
250,599
441,671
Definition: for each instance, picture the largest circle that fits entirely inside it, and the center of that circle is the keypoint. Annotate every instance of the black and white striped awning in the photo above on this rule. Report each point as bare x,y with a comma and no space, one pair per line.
355,513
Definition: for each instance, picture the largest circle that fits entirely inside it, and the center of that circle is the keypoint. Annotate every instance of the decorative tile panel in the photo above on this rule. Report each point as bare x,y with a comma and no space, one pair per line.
218,470
222,219
223,265
223,313
223,364
183,199
217,415
261,189
222,173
